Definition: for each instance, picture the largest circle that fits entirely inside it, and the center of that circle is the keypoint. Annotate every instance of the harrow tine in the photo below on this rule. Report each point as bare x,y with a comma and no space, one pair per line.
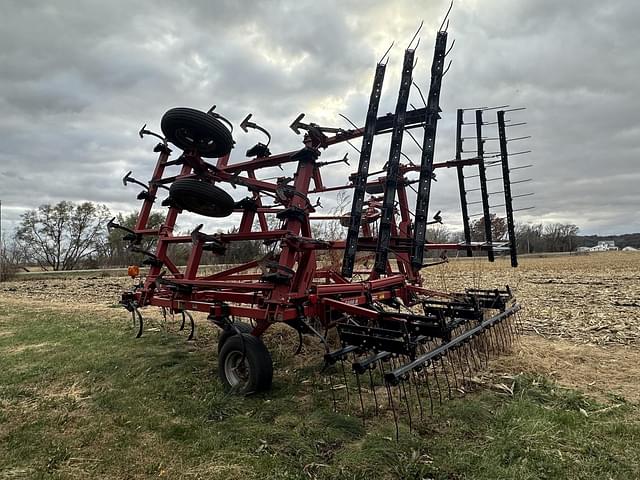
519,324
333,393
446,376
192,322
346,383
382,376
393,409
453,369
456,362
426,377
502,339
137,313
183,321
507,333
406,401
514,329
477,363
360,395
435,374
495,341
485,349
466,356
505,336
496,336
373,389
415,385
512,333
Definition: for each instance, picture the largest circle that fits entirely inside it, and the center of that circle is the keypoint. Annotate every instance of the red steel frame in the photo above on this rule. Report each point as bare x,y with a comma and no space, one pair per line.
311,291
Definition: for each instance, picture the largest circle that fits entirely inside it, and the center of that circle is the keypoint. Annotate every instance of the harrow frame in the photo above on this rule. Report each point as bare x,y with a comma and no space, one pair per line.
292,285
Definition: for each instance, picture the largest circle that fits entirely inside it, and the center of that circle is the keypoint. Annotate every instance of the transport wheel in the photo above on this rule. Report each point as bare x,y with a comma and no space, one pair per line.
245,365
201,197
191,129
230,332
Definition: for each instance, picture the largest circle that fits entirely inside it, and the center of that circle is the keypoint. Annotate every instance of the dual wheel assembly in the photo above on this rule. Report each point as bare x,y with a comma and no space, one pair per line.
202,133
244,362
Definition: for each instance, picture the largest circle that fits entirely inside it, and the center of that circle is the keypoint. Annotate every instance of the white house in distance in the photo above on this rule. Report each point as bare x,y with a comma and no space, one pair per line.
602,246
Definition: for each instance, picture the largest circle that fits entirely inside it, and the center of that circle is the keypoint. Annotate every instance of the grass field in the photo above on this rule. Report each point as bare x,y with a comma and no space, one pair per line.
81,398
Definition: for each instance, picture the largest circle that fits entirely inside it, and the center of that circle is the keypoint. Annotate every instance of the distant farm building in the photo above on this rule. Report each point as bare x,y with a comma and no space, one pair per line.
602,246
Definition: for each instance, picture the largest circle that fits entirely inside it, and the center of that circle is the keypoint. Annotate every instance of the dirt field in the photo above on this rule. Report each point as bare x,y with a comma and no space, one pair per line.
582,318
80,397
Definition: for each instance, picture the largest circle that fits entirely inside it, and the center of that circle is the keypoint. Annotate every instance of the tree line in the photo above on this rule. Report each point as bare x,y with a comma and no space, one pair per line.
68,236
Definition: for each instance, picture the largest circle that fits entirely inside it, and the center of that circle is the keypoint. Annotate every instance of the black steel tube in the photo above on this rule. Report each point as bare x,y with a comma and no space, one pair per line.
360,181
508,200
428,151
461,185
393,165
482,172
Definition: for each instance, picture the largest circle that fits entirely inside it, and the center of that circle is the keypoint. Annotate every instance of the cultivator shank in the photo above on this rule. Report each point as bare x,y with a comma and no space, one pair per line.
405,345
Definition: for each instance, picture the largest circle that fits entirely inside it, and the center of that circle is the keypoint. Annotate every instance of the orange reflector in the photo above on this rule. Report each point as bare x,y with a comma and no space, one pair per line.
133,271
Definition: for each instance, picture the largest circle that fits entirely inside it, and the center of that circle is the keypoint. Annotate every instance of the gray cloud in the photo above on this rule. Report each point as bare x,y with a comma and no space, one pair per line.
79,80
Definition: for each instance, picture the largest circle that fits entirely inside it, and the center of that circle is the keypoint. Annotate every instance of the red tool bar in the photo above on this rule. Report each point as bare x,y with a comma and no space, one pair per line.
349,308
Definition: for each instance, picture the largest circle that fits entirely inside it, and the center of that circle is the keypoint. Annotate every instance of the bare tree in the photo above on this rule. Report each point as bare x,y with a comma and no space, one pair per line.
560,237
11,255
530,237
59,236
498,228
438,234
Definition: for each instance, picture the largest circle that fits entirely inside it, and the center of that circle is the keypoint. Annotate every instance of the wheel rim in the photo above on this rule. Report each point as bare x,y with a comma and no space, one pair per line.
188,137
236,369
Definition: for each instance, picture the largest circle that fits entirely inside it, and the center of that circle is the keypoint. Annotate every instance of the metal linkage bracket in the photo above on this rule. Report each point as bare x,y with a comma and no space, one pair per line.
131,236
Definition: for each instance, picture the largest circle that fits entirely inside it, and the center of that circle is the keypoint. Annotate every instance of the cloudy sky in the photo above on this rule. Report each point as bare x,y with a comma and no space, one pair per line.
79,79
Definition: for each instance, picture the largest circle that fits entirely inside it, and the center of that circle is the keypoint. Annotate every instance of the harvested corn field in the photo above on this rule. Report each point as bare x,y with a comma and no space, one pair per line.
73,363
583,298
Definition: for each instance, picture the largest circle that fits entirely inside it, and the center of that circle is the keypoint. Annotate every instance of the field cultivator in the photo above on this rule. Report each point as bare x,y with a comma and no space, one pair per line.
396,336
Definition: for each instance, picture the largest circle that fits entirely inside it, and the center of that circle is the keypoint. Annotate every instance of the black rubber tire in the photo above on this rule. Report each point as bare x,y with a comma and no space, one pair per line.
201,198
191,129
230,332
257,363
376,189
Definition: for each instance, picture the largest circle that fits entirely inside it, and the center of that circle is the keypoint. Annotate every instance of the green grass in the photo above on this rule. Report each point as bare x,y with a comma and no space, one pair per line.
81,398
